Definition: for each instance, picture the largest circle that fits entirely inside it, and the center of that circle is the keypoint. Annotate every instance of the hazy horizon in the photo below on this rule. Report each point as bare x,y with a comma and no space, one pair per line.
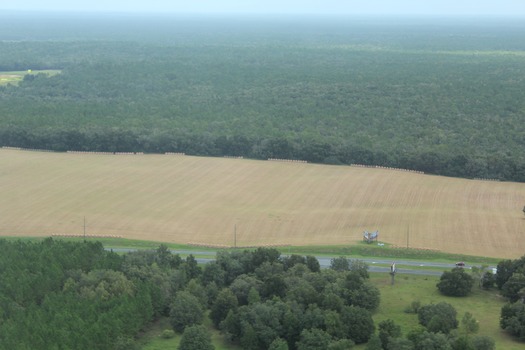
502,8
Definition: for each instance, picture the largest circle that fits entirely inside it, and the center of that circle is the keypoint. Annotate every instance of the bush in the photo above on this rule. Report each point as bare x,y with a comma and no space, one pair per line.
456,283
314,339
413,308
196,338
125,343
167,334
513,319
488,280
483,342
374,343
431,340
278,344
388,330
341,344
440,317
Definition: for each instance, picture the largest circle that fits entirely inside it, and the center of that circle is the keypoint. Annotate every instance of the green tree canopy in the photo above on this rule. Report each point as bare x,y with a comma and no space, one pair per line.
224,302
278,344
456,283
440,317
314,339
388,330
186,310
196,337
513,319
514,288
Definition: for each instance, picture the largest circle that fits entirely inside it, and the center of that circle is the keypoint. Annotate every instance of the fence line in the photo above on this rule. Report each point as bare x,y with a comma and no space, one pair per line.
107,153
208,245
287,160
387,168
233,157
87,236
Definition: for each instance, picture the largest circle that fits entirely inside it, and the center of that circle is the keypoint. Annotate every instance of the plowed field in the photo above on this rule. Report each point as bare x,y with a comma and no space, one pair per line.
214,200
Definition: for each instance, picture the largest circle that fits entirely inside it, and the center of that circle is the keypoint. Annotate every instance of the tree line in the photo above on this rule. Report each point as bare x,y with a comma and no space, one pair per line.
334,94
504,167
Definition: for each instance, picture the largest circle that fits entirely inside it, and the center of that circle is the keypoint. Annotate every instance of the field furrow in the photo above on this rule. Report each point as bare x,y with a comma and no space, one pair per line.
217,200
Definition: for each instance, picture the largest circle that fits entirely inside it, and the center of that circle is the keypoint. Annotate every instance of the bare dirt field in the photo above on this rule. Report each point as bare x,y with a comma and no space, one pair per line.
216,200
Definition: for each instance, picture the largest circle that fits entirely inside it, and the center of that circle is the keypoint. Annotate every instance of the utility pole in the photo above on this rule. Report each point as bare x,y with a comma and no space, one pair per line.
408,233
84,229
235,236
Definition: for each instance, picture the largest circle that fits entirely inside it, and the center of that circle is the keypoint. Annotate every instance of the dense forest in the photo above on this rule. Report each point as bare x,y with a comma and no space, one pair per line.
441,96
63,295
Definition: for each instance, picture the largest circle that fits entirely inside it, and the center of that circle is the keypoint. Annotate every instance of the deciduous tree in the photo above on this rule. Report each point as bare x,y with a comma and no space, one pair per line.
388,330
225,302
440,317
196,337
456,283
186,310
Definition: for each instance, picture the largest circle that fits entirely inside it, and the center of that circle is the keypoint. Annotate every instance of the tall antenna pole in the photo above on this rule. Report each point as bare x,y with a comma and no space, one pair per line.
84,228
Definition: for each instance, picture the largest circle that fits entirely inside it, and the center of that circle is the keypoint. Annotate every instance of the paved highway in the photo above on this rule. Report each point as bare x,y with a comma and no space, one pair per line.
375,265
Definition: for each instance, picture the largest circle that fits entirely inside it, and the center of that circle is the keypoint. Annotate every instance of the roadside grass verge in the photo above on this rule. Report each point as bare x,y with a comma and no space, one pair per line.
360,250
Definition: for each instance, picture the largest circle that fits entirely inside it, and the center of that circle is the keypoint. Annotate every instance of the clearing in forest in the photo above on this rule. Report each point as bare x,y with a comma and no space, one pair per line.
216,201
15,77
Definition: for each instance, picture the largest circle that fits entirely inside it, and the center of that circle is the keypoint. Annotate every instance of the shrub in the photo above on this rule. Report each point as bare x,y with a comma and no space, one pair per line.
456,283
440,317
387,331
196,338
341,344
488,280
483,342
413,308
314,339
278,344
513,319
167,334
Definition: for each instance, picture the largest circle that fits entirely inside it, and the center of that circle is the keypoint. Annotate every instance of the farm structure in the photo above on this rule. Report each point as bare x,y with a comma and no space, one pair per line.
370,237
203,200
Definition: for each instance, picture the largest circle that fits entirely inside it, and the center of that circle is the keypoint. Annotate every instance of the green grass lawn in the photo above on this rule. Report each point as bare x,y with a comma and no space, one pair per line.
485,306
152,338
358,251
